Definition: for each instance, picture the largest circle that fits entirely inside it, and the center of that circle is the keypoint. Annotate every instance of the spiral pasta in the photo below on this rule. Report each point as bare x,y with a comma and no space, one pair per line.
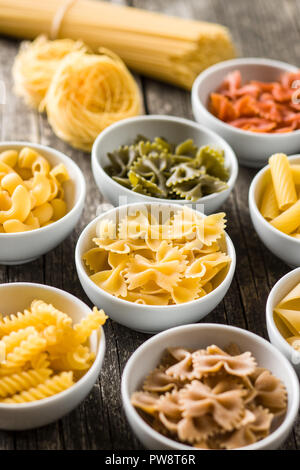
40,315
42,353
56,384
23,381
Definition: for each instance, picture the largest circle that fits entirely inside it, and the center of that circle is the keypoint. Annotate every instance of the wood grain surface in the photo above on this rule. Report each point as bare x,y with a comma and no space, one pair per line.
264,28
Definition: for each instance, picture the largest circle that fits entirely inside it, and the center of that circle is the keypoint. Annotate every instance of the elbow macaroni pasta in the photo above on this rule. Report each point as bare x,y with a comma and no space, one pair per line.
280,203
31,192
42,353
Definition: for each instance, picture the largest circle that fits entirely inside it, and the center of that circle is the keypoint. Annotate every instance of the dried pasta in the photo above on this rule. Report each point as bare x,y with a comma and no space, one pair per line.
264,107
287,317
31,192
162,169
81,92
282,177
154,263
43,352
280,202
211,398
36,64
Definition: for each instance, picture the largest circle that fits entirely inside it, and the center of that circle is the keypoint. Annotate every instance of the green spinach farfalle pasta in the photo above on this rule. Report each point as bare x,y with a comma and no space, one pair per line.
162,169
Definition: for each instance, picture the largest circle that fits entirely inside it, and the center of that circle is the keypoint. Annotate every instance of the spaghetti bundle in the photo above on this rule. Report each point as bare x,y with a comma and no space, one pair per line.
81,92
171,49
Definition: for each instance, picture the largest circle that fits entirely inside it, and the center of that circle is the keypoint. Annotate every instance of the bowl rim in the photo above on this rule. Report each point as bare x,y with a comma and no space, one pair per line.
233,162
80,265
256,212
128,407
77,385
244,61
295,273
79,182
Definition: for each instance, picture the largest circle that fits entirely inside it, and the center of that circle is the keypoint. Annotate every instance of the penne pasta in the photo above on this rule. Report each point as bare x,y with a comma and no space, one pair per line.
283,182
288,221
269,207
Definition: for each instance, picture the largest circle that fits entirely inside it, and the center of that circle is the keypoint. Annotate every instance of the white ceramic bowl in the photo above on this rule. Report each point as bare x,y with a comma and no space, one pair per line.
148,318
280,244
18,296
147,357
252,148
279,291
173,129
19,248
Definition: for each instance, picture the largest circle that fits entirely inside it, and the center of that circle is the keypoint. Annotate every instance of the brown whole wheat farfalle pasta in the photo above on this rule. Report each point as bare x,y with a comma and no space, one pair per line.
211,398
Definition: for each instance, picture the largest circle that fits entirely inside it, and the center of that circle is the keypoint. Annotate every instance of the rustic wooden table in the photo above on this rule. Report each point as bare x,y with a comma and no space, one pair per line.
265,28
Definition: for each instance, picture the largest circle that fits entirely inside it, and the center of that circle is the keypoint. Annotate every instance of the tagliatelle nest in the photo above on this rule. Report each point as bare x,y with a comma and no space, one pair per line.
82,93
88,93
35,65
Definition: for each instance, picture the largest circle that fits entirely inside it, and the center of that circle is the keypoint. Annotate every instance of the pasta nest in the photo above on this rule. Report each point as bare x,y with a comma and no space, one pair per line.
88,93
36,64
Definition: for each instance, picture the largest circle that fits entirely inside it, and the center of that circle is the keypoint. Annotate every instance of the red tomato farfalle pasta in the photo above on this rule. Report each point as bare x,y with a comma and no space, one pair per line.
265,107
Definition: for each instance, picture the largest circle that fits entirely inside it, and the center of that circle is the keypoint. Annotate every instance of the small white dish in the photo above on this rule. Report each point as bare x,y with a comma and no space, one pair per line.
148,318
19,248
173,129
252,148
15,297
278,292
148,355
283,246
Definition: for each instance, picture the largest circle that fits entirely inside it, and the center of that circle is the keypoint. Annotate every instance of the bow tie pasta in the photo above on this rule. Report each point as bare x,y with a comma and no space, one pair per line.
31,192
162,169
211,398
141,260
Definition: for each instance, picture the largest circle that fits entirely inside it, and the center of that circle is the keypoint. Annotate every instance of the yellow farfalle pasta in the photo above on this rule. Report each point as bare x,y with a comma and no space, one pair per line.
287,317
210,398
141,260
31,192
42,352
280,202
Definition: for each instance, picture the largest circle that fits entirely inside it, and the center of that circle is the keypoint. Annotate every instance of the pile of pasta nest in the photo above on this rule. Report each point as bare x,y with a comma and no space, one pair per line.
81,92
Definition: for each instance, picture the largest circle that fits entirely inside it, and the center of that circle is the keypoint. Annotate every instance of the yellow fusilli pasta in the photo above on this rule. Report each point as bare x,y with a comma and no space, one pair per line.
37,344
23,381
56,384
